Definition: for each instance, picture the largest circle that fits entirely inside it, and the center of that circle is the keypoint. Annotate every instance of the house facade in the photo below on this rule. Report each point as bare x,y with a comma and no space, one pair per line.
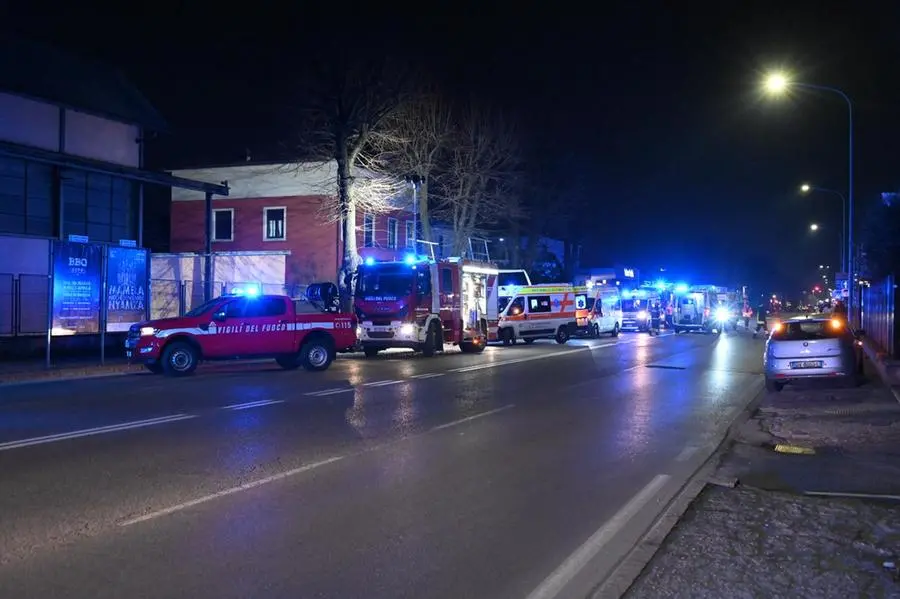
71,166
281,208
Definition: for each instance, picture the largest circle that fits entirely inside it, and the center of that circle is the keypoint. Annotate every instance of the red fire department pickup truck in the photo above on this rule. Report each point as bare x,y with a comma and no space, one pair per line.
244,325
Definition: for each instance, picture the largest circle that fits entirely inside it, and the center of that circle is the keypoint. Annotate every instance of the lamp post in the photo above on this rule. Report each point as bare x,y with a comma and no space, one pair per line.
814,227
777,83
806,188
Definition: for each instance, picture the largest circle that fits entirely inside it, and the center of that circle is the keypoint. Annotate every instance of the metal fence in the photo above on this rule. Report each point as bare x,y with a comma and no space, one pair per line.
879,302
24,305
170,299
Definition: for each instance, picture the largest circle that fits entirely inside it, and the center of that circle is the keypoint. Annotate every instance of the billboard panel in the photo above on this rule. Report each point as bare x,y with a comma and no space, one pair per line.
76,288
126,284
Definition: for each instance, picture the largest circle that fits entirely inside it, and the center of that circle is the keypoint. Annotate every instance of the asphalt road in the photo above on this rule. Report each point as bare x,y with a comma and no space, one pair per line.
521,472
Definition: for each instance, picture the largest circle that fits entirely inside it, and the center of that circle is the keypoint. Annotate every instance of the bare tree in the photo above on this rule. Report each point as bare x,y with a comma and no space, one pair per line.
415,141
345,105
476,183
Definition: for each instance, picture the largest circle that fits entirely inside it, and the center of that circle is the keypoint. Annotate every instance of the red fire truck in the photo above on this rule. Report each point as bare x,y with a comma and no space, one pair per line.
245,324
422,303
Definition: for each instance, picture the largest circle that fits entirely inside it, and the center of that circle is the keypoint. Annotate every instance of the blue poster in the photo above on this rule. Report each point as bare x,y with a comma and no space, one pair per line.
76,288
126,285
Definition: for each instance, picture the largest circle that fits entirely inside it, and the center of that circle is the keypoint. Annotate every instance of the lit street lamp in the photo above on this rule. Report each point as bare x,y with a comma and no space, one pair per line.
814,227
807,188
777,83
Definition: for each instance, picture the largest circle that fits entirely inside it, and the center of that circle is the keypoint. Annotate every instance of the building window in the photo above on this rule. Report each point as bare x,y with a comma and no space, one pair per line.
393,229
369,230
274,223
26,198
410,234
100,206
223,224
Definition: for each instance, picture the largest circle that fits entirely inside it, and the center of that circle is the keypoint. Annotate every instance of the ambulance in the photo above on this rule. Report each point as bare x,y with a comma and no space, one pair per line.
542,312
602,314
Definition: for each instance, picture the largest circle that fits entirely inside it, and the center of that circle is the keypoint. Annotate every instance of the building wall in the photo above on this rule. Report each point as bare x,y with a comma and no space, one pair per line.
38,124
313,244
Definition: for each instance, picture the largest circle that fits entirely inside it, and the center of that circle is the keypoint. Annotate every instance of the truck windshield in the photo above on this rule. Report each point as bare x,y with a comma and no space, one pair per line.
385,280
203,308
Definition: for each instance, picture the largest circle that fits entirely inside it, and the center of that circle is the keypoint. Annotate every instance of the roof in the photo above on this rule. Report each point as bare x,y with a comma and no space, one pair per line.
33,69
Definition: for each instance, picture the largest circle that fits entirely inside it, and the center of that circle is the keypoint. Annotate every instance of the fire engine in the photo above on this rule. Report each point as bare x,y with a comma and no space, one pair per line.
422,303
245,324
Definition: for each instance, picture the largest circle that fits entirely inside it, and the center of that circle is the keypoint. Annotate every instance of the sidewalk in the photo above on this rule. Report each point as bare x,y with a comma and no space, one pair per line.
790,527
12,372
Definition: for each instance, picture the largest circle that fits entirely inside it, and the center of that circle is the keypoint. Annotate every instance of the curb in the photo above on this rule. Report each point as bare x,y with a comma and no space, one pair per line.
620,580
877,360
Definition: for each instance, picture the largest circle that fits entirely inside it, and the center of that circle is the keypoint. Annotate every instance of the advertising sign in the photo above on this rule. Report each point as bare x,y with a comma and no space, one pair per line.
76,288
126,284
841,289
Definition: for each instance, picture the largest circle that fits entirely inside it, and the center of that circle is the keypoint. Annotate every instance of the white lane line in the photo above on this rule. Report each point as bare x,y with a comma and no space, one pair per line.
231,491
252,404
474,417
517,360
427,375
382,383
686,453
330,391
296,471
556,582
88,432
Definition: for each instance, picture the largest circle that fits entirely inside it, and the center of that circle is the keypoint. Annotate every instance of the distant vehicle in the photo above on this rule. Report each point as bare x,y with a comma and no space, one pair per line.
602,312
542,312
636,304
808,348
304,332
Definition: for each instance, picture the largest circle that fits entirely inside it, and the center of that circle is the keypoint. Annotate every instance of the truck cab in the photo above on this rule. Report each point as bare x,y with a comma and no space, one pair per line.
423,304
304,332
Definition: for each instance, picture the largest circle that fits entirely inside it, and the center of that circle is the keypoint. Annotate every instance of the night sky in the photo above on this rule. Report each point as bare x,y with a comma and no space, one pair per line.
654,114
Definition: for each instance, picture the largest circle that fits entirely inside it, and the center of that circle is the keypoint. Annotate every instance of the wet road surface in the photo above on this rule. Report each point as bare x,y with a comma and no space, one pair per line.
521,472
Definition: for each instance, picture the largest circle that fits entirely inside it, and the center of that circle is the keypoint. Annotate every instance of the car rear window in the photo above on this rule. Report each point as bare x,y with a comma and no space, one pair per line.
808,330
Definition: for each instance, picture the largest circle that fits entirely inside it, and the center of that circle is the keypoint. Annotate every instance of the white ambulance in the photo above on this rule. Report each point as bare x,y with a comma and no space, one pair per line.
602,314
542,312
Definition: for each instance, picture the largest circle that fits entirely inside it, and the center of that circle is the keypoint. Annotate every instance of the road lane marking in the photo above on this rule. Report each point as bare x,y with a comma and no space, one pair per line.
473,417
517,360
686,453
557,581
330,391
231,491
382,383
252,404
427,375
289,473
88,432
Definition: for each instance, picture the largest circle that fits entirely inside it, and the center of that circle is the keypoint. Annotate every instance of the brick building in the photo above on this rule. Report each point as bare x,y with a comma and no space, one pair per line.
273,207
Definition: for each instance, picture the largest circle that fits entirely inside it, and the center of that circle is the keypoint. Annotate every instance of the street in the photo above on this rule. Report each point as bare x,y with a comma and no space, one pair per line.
526,471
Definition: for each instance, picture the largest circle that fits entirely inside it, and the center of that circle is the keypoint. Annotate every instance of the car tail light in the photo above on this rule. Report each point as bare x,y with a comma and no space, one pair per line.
777,327
836,323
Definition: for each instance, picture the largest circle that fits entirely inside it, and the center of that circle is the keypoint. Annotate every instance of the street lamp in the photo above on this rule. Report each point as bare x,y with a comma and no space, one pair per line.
814,227
807,188
776,83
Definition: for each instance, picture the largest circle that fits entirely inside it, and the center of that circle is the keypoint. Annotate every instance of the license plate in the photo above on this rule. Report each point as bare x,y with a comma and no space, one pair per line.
807,364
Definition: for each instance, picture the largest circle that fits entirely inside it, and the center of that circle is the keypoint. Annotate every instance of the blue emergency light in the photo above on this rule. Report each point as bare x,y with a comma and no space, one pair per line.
681,288
410,259
626,293
661,285
248,291
370,261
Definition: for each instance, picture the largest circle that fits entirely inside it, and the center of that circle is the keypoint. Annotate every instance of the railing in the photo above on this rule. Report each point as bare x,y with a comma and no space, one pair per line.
879,301
170,299
24,305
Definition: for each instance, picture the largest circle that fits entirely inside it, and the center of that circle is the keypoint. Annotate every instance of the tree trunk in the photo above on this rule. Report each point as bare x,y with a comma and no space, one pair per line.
350,258
424,214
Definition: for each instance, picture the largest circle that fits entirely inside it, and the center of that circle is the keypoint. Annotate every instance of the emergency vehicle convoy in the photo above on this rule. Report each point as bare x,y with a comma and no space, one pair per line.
303,332
422,303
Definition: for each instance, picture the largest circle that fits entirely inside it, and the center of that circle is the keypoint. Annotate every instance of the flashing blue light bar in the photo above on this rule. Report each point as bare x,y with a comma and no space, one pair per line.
370,261
681,288
661,285
626,293
410,259
640,293
248,291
